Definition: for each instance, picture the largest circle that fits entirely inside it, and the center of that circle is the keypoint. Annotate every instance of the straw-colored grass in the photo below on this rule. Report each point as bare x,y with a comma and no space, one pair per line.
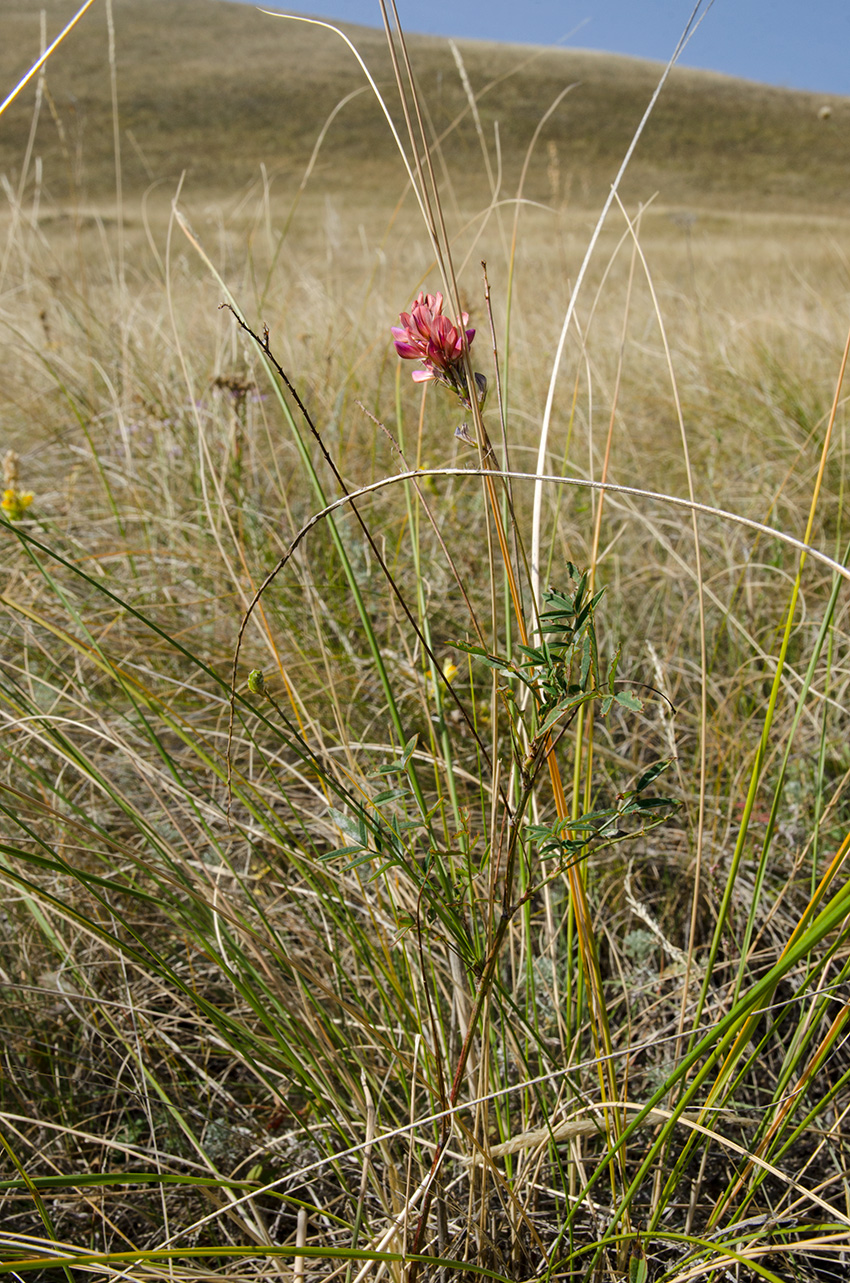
329,962
219,89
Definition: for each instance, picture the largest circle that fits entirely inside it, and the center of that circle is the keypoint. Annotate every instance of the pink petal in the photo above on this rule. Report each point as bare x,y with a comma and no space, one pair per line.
444,333
407,351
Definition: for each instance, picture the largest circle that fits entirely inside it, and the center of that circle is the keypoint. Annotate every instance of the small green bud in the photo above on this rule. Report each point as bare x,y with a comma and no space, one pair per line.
256,682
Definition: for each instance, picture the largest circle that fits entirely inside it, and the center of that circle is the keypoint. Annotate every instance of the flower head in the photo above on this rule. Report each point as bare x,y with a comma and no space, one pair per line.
15,502
256,682
426,335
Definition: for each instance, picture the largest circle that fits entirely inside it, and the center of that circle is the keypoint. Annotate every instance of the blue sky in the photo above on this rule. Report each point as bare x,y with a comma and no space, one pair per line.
803,44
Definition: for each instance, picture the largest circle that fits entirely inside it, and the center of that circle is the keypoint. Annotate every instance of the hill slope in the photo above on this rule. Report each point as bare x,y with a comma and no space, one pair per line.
217,88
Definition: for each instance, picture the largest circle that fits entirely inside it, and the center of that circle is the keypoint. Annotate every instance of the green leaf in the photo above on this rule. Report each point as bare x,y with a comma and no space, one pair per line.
399,766
638,1267
469,649
340,851
478,652
612,671
365,859
652,773
536,656
629,700
586,660
354,829
564,706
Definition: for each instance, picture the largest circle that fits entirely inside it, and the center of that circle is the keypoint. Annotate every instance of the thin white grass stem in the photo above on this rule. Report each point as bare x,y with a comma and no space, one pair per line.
509,290
136,1152
762,749
537,514
204,462
476,117
315,22
314,156
612,418
300,1241
119,196
399,1223
429,196
142,1088
703,647
675,501
439,238
733,621
17,206
428,1120
24,81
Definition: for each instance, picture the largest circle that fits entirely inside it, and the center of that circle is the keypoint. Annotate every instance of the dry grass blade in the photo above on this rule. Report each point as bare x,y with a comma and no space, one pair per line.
469,921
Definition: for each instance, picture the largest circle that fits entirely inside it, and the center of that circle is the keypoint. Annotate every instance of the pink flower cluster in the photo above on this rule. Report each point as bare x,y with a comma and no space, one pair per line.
426,335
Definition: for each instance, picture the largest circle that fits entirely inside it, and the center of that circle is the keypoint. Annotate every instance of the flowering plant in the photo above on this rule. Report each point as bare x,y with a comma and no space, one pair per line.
14,501
426,335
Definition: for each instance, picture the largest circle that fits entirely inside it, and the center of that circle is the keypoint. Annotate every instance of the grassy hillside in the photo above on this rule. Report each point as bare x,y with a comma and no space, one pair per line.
217,89
258,941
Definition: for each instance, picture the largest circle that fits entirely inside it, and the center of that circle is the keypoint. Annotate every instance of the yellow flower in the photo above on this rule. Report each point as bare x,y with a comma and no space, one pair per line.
450,670
15,502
